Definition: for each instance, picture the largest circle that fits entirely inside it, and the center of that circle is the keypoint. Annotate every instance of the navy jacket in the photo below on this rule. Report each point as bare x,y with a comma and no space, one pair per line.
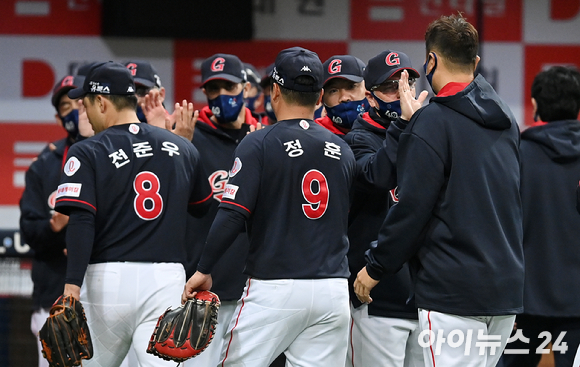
216,149
36,207
459,212
550,173
375,149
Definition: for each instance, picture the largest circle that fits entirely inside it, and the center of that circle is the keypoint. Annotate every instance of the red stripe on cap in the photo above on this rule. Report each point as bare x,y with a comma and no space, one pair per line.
237,320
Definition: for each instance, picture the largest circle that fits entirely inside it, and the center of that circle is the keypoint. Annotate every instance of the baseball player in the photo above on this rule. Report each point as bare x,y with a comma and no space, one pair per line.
459,212
127,191
550,153
268,116
344,93
224,83
41,227
385,332
254,97
147,83
296,297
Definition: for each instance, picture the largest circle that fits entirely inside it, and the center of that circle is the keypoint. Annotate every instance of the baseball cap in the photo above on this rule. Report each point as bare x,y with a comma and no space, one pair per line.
345,67
144,73
384,65
267,78
106,78
294,62
222,66
63,86
252,75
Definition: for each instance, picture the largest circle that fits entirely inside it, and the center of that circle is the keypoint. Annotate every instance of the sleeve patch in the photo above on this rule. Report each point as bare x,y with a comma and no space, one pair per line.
237,167
230,191
72,166
69,189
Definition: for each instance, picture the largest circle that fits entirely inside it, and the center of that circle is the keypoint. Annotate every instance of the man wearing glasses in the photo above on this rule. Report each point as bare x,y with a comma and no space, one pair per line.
147,83
384,332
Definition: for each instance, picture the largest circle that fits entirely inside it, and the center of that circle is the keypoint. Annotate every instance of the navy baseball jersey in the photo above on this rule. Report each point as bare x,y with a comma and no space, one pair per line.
291,181
139,181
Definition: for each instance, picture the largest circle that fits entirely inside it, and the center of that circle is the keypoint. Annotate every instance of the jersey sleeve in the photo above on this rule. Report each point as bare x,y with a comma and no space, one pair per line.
34,216
241,192
77,182
201,193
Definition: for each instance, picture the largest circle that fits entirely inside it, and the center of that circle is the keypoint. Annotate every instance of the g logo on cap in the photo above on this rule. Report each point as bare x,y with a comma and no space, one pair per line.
335,66
132,68
218,64
392,59
67,81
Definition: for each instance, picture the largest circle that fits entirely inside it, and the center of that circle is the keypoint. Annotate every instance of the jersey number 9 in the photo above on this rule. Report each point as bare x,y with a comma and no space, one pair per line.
315,191
148,203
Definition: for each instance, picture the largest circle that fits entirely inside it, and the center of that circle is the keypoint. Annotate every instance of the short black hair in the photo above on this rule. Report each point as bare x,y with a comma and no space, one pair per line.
304,99
557,93
455,39
120,102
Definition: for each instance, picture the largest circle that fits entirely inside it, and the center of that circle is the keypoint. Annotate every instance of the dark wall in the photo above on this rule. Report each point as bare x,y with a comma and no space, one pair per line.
190,19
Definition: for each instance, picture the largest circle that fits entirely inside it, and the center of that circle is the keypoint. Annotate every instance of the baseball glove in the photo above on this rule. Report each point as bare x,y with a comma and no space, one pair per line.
65,336
186,331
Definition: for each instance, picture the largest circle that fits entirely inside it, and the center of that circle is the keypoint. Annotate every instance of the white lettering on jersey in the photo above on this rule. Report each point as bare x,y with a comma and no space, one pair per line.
134,129
69,189
304,124
170,148
72,166
332,150
294,148
119,158
218,181
142,149
230,191
237,167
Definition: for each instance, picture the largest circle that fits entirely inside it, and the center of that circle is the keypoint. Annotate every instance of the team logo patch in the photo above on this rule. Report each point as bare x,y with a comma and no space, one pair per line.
395,194
218,64
72,166
237,167
69,189
335,66
230,191
52,199
304,124
392,59
133,129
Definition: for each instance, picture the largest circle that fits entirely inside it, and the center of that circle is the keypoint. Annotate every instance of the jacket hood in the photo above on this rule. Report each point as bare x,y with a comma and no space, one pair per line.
481,104
370,120
205,123
559,139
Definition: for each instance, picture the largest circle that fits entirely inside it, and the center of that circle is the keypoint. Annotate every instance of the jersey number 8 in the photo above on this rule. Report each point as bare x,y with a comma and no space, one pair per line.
315,195
148,203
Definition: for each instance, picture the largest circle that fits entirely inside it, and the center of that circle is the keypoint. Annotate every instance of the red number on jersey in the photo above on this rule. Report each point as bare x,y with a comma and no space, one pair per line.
317,201
148,203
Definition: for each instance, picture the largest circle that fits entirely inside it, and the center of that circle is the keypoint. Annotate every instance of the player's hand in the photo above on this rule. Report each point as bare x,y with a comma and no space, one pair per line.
197,282
153,109
72,290
58,222
409,104
184,118
253,128
363,286
85,127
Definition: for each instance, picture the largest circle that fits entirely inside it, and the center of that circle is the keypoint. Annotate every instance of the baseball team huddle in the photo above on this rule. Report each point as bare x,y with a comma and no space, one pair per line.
352,223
